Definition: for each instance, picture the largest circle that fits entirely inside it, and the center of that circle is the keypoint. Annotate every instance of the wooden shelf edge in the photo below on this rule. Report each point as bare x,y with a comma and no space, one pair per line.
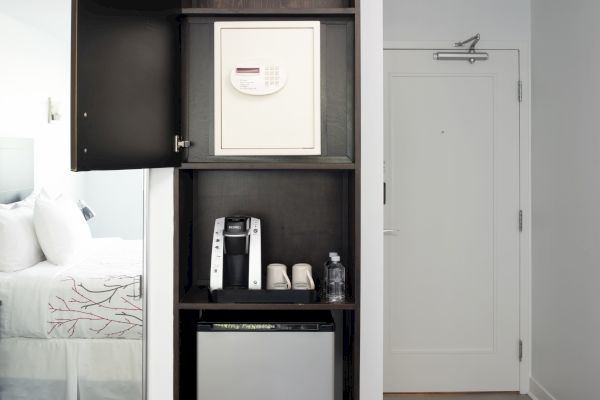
268,166
263,306
268,11
198,299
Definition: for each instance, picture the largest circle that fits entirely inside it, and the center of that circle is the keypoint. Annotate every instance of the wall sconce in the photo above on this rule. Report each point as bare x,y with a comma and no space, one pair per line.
53,114
87,212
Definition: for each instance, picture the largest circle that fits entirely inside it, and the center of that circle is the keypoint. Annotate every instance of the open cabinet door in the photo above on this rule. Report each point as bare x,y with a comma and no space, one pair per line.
125,84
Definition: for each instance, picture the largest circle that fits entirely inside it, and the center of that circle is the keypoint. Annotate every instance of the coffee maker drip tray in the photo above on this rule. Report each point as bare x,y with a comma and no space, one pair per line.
263,296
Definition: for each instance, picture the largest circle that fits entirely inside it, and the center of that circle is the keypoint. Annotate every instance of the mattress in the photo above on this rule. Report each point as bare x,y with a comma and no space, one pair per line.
96,298
70,369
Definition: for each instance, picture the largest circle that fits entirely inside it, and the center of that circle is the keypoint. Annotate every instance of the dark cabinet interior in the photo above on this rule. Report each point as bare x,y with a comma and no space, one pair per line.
337,91
125,100
143,73
321,221
306,212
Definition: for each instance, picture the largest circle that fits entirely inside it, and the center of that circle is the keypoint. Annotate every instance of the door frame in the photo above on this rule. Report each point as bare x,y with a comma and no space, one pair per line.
525,266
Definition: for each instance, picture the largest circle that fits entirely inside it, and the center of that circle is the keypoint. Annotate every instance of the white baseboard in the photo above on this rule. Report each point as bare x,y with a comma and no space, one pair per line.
539,392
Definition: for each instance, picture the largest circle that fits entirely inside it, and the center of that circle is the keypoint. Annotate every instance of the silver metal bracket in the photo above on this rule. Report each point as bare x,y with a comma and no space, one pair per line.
471,55
141,293
180,144
474,39
520,350
520,90
520,220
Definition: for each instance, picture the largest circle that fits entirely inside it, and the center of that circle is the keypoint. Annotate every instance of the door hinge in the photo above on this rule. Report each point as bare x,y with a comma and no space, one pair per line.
141,286
520,90
520,350
520,220
180,144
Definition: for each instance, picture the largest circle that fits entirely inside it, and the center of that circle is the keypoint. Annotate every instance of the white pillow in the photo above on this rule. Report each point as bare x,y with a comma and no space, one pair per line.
28,201
19,247
62,231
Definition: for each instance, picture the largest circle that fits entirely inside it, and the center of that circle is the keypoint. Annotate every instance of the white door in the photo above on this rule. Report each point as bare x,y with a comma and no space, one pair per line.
452,230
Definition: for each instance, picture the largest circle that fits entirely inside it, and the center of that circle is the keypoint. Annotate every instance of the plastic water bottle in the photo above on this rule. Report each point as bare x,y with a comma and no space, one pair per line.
335,281
325,266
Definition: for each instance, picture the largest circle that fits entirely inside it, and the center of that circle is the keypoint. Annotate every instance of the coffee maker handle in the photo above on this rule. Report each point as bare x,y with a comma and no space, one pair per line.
310,279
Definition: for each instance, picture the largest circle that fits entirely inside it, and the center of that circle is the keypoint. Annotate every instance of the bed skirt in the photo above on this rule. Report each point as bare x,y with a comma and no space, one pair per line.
70,369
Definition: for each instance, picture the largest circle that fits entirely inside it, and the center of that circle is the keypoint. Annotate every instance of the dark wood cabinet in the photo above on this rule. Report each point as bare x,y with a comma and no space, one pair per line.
269,4
305,213
142,74
125,84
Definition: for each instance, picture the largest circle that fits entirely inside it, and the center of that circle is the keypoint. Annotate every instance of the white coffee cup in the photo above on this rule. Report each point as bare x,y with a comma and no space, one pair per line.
302,277
277,277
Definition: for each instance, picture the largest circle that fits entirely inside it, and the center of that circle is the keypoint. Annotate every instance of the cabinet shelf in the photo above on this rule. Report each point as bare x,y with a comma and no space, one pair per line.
197,299
200,11
269,166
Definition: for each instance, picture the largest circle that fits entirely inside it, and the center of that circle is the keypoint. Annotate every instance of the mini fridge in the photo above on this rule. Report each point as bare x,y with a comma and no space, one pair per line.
265,356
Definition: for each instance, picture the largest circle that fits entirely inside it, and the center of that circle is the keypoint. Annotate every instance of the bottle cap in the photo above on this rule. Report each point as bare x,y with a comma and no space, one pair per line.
332,253
335,258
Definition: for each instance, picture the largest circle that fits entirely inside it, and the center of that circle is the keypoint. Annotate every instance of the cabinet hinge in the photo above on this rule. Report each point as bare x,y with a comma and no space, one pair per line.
520,90
180,144
520,350
520,220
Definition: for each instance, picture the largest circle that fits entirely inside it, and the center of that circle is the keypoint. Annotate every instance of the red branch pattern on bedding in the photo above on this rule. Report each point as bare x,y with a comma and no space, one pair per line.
107,307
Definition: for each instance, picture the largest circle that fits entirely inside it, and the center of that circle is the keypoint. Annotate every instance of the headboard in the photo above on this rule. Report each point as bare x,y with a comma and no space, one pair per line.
16,169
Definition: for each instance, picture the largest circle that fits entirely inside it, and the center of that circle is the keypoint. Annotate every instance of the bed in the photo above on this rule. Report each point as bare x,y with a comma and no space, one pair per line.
69,332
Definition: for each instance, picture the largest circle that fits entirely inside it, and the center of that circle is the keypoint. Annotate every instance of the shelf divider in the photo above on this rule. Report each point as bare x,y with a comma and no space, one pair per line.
197,299
268,166
268,11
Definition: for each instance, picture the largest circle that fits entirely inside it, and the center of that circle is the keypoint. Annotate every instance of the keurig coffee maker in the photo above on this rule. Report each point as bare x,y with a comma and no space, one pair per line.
236,254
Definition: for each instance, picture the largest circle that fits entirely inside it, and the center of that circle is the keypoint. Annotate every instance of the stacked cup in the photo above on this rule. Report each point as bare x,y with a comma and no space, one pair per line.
278,279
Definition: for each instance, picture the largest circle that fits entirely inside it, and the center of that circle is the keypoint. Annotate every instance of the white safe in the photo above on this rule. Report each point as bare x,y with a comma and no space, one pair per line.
267,88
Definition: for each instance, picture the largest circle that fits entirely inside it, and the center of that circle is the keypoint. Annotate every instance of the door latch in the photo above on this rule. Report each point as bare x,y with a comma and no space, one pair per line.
180,143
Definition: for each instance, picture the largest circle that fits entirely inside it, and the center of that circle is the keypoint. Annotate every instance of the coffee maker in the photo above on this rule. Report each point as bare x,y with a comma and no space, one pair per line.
236,254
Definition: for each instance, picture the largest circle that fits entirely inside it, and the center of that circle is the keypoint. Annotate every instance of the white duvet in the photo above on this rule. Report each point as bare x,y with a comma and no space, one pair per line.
98,297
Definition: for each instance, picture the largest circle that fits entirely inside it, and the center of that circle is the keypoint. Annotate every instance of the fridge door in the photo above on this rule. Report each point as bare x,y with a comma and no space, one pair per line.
265,365
271,359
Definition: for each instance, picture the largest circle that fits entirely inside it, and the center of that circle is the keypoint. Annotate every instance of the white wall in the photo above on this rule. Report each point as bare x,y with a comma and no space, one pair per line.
35,64
448,21
371,232
159,279
117,198
566,199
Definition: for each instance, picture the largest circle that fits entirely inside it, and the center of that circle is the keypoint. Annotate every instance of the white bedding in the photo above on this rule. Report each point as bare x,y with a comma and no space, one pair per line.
97,298
70,369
